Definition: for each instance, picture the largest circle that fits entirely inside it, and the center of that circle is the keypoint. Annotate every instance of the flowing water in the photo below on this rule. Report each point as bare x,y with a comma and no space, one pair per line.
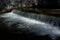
36,23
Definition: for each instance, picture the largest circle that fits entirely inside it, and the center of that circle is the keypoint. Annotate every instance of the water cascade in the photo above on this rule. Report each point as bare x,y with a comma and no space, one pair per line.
36,23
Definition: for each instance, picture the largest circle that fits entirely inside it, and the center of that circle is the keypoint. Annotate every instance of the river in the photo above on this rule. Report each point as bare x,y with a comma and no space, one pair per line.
36,24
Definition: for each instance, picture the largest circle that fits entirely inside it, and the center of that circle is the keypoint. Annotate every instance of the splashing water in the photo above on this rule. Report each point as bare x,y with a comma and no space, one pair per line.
39,24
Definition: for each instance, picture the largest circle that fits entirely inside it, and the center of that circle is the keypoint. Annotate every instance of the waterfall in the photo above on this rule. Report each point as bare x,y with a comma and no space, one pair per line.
36,23
48,19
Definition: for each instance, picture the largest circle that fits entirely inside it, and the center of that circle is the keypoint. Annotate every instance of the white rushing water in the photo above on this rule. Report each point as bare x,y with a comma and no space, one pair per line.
39,24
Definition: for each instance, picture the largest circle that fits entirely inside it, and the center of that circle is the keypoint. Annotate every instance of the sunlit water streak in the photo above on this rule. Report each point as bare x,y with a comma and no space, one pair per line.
39,24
